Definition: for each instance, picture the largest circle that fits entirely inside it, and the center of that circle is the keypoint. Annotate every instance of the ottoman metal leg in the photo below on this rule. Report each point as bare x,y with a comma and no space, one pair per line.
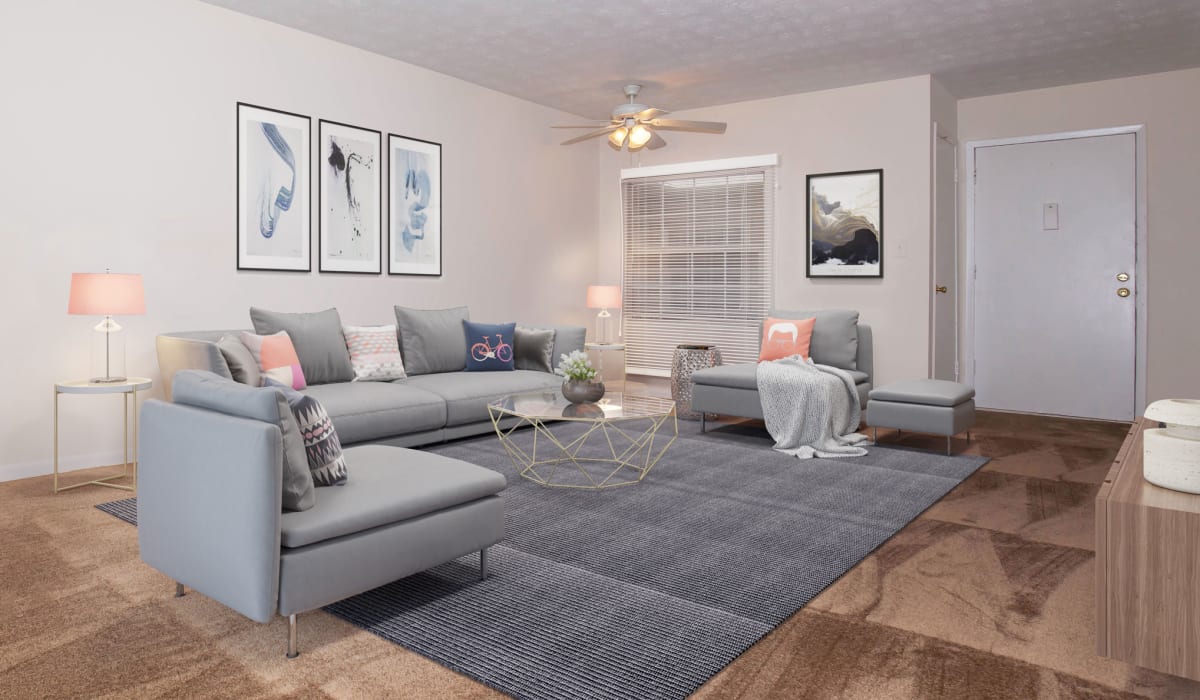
703,422
483,563
948,446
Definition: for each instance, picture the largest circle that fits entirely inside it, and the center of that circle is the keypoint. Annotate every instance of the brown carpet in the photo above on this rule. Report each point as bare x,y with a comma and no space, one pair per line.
987,595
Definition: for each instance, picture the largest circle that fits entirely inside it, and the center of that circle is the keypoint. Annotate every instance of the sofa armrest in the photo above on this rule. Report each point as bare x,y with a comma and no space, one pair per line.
209,499
865,360
175,353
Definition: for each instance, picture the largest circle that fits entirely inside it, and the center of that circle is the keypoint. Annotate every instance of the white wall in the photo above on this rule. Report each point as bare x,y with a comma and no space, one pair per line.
1168,105
120,150
879,125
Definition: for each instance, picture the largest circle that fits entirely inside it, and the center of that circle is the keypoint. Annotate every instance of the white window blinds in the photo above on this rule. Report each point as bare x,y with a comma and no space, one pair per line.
697,263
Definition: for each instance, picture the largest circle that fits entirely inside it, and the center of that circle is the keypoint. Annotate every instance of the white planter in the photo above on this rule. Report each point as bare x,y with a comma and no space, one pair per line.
1172,454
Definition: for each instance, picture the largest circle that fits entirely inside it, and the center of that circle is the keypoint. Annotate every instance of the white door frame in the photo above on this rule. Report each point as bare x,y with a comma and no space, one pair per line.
1139,132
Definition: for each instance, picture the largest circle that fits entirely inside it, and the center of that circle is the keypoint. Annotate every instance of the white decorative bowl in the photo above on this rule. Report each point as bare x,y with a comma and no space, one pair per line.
1172,454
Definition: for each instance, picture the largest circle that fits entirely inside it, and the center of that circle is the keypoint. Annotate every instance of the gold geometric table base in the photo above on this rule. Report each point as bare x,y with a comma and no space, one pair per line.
625,456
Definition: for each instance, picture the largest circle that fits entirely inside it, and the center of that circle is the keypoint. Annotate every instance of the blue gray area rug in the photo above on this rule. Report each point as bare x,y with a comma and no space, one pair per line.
647,591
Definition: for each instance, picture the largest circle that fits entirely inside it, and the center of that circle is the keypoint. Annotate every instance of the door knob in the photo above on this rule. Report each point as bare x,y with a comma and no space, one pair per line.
1123,292
1122,277
940,290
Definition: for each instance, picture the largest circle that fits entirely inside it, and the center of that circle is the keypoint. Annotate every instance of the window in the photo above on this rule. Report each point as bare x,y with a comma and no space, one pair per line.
697,259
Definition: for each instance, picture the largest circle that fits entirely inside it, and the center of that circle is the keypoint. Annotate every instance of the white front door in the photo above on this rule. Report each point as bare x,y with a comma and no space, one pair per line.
1054,232
944,294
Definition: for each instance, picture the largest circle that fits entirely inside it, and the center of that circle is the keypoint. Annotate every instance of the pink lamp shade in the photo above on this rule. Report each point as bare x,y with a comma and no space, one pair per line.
106,294
604,296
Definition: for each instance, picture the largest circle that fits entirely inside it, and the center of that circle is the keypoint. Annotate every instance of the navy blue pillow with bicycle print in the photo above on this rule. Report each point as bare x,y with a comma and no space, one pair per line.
489,346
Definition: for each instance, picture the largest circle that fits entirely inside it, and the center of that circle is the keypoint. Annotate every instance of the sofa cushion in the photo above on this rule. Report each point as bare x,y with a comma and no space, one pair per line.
318,339
929,392
242,365
276,358
489,346
467,393
745,376
834,337
390,485
431,340
364,411
193,387
534,348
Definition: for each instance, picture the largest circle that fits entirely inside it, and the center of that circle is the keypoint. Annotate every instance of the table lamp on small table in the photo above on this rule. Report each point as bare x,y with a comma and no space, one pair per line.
603,297
106,294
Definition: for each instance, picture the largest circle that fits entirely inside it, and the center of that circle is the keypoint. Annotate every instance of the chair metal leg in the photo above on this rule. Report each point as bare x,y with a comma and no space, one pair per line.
293,643
703,422
483,563
948,453
179,590
875,435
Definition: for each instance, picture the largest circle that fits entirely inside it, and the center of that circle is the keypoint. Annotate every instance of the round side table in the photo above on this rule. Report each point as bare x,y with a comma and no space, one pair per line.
688,359
128,388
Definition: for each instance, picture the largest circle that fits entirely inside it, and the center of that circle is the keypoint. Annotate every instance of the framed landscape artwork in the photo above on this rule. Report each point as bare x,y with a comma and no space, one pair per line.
415,206
273,183
351,196
845,224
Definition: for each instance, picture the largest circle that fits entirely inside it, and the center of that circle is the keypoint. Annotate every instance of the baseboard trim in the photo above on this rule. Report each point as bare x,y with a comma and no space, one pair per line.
42,467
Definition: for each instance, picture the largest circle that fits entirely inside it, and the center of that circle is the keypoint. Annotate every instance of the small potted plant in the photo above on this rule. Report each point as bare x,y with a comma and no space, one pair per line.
579,374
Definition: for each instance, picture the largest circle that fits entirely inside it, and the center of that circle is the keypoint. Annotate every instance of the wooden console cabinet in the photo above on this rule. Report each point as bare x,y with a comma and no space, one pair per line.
1147,568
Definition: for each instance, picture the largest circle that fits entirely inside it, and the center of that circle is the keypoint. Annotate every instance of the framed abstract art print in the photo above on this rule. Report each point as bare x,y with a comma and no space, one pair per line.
273,183
414,206
350,196
845,224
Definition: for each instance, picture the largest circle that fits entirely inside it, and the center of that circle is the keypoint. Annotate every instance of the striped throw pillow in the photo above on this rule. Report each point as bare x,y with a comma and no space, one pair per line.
374,353
321,443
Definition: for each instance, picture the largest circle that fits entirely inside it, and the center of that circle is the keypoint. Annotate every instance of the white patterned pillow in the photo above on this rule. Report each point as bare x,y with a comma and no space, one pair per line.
374,353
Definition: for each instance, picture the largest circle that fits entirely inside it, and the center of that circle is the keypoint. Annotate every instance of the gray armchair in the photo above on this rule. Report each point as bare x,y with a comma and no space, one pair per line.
209,515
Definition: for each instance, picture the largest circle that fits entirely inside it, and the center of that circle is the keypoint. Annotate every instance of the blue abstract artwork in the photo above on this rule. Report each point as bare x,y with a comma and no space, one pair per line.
415,207
273,189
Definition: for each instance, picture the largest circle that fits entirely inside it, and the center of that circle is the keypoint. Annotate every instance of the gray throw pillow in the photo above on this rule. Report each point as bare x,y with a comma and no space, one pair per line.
834,337
321,443
534,349
242,365
318,339
431,340
202,389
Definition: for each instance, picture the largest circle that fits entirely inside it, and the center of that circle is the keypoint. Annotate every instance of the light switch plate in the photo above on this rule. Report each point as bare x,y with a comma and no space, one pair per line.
1050,216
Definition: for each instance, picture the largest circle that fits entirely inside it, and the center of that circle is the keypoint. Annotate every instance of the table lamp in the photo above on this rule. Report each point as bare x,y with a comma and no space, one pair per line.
603,297
106,294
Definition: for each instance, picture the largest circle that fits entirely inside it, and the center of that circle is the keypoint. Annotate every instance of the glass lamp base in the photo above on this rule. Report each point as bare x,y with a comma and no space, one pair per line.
108,353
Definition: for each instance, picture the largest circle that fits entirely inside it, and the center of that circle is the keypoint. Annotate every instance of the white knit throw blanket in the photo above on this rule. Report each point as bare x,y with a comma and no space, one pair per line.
811,410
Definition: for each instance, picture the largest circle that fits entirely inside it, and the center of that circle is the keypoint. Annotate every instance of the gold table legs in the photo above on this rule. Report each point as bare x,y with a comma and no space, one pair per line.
629,456
127,467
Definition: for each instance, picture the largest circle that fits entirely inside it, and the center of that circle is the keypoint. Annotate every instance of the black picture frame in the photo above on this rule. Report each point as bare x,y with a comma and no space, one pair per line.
324,266
856,247
302,178
398,210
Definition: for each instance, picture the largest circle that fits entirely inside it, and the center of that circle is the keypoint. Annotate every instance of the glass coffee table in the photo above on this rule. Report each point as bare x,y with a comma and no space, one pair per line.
614,442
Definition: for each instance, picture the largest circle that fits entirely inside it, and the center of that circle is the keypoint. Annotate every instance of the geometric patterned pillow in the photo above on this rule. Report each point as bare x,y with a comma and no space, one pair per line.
374,353
321,443
276,358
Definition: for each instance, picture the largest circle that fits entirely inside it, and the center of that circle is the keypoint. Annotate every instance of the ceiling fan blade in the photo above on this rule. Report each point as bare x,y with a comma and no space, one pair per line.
647,114
593,134
655,141
686,125
595,125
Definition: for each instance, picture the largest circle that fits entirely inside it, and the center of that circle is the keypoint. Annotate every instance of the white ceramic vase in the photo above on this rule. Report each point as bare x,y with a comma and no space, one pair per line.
1172,454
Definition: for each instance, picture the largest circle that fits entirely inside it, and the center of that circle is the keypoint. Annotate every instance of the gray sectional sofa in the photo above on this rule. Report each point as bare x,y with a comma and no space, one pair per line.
420,410
838,340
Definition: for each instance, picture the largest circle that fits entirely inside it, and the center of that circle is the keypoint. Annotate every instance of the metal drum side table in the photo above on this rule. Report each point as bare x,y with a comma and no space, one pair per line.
128,388
688,359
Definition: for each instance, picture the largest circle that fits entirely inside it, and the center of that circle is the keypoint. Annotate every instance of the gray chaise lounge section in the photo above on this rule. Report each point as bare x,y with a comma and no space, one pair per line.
732,390
421,410
209,515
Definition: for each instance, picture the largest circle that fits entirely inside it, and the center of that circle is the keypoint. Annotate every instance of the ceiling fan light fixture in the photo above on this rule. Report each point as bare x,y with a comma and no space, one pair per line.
639,136
617,138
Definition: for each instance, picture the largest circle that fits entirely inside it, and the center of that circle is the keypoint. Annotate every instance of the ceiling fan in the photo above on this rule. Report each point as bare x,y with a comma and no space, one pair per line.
635,126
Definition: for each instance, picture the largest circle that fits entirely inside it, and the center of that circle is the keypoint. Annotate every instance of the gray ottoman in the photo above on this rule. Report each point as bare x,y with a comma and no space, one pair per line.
924,406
